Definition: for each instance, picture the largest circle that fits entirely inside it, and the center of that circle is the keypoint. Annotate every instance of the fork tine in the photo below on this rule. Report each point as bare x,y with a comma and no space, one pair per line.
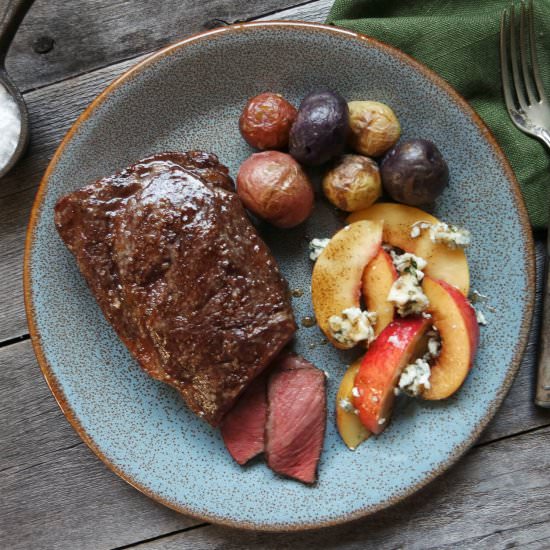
505,73
533,47
524,55
514,60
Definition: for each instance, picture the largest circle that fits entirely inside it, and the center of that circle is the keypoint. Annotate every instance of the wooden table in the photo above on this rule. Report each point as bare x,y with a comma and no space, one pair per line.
54,492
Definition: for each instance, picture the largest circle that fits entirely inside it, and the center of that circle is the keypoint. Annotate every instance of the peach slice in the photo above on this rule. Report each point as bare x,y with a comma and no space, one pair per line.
443,263
455,319
378,278
381,368
336,277
351,430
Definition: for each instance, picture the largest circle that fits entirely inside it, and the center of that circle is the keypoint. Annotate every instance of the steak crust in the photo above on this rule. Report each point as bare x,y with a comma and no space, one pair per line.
181,274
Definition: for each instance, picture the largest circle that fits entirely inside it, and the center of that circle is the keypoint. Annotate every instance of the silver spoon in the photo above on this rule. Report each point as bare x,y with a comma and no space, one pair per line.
12,13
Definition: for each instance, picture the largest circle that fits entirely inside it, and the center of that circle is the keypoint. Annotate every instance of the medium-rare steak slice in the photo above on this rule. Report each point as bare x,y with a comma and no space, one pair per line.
181,274
296,418
243,427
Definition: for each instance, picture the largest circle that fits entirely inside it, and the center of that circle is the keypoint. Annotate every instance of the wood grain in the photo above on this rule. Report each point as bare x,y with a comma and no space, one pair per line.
316,12
91,34
54,492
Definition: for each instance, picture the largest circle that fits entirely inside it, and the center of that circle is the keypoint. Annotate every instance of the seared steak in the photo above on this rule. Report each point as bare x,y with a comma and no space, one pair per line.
181,274
296,418
243,426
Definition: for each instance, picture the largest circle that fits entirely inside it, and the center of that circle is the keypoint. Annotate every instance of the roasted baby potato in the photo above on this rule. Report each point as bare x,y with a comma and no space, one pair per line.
266,121
414,172
353,183
374,127
273,186
321,128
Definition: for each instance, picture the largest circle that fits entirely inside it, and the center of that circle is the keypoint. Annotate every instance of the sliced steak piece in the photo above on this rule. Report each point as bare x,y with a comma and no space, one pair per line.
243,427
296,418
181,274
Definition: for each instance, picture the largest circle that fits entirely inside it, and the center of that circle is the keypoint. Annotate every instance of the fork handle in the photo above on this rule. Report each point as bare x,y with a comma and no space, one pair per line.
542,398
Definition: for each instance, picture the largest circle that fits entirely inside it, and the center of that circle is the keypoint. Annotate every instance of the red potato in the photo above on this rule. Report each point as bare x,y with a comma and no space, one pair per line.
273,186
266,121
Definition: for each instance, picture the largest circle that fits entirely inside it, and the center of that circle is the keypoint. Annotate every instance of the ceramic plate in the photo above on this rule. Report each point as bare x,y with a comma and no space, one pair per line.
189,96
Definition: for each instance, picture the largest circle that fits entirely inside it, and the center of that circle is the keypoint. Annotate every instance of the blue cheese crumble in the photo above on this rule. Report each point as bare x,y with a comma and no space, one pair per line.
345,404
316,246
395,341
353,326
415,378
480,317
450,235
409,263
406,292
434,345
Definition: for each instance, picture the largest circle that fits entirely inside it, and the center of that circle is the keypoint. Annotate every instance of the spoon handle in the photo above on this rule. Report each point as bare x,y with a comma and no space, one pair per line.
12,13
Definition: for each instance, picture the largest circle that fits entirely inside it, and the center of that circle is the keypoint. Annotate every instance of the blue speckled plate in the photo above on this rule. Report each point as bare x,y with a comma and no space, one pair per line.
189,96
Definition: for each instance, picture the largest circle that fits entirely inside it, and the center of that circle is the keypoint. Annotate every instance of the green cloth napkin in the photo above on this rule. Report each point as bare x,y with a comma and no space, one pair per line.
458,39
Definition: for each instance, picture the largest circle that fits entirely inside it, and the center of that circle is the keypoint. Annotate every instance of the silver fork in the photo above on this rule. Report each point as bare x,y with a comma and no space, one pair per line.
529,110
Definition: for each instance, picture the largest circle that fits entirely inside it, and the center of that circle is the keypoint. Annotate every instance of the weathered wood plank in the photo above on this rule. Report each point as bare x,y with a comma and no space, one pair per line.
14,214
498,496
313,11
54,492
49,477
58,39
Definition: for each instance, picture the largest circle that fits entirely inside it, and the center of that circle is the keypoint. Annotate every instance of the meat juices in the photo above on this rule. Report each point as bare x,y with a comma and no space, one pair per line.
181,274
296,418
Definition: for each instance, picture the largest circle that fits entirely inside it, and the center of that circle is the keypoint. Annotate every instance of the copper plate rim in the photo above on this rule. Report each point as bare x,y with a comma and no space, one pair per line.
529,259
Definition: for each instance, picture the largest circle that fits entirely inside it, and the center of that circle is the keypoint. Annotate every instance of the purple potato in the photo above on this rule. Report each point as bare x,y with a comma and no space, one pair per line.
321,128
414,172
